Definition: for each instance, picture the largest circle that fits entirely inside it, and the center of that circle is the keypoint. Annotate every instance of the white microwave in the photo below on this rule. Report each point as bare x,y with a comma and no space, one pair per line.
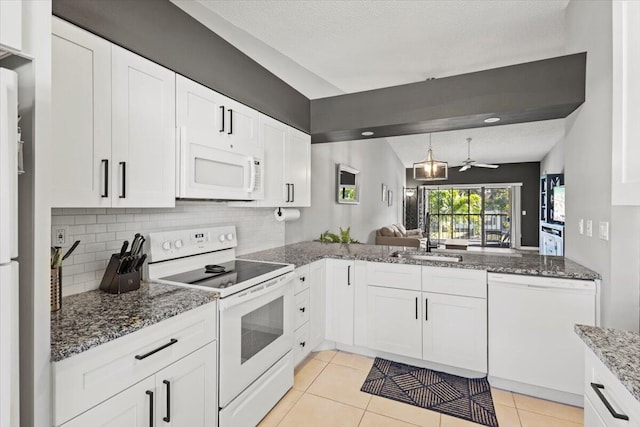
205,172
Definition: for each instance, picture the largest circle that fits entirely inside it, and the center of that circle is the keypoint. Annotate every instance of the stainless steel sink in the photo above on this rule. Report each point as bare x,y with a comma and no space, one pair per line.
429,257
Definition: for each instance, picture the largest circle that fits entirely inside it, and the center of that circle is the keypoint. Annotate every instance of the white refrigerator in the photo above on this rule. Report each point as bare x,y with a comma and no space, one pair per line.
9,334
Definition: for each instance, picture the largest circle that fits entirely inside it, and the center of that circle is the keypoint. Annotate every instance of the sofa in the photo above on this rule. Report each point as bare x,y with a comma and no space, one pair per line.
397,235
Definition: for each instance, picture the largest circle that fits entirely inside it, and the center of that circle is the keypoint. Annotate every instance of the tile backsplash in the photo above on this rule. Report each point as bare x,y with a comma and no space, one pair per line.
102,231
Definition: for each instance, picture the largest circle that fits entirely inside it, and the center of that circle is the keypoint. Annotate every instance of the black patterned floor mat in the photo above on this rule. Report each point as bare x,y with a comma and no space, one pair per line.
466,398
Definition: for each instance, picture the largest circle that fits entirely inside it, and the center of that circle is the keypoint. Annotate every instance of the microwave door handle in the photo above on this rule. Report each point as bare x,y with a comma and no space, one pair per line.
252,175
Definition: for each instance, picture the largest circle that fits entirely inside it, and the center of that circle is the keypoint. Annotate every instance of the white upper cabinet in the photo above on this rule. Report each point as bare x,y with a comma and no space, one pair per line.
11,24
143,132
287,159
81,117
113,124
626,103
212,120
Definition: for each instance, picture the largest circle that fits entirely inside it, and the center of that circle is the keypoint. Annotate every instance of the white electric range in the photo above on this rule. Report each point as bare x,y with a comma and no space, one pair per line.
255,327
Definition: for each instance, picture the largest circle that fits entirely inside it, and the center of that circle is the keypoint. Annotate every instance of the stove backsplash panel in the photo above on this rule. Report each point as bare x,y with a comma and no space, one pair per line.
102,232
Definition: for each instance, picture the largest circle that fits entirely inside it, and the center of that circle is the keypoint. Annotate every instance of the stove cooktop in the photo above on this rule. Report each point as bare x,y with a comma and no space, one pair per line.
224,275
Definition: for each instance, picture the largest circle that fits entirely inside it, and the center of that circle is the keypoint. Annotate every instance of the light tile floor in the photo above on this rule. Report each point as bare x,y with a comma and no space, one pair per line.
326,393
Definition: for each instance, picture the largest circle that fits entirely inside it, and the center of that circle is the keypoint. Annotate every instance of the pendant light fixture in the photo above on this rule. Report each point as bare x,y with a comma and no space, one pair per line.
429,169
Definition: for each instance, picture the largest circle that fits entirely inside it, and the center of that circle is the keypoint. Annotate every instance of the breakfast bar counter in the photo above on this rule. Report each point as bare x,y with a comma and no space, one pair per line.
508,263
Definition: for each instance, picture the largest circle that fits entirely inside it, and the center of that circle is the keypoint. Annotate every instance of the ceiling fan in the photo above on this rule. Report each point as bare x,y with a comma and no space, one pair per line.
472,163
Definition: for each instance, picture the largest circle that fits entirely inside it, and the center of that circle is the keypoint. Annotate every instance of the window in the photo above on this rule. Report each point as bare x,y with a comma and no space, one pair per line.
480,215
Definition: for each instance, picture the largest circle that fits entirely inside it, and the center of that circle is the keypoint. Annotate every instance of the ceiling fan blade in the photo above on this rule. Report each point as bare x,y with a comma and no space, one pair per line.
484,165
464,168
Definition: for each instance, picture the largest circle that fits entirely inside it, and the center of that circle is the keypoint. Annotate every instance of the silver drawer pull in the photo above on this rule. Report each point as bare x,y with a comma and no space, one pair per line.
614,414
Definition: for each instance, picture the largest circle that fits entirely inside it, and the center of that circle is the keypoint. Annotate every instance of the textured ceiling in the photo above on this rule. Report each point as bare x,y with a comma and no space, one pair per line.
522,142
358,45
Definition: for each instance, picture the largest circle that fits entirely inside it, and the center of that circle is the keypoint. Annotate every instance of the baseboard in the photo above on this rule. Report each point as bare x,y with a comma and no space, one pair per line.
536,391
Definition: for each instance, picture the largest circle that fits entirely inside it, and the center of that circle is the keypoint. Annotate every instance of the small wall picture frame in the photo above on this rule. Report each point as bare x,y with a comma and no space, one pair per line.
384,193
390,198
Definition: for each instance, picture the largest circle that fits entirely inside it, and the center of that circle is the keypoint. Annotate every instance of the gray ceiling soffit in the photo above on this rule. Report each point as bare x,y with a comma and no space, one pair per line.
540,90
165,34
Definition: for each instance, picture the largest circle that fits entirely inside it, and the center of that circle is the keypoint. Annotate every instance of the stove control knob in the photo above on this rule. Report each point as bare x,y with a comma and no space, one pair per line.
178,243
166,245
222,238
229,236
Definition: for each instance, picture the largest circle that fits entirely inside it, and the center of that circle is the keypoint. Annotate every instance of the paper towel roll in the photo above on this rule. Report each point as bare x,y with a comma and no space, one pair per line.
286,214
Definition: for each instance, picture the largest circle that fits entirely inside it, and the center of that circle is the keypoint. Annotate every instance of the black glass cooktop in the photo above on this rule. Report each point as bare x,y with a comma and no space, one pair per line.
225,274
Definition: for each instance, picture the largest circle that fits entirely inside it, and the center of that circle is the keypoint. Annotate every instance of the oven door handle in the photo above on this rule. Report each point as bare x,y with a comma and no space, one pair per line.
256,292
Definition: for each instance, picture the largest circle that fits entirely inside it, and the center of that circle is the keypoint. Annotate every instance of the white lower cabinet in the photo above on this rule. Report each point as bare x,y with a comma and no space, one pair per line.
607,402
183,394
133,407
455,331
170,365
308,309
394,321
186,391
340,301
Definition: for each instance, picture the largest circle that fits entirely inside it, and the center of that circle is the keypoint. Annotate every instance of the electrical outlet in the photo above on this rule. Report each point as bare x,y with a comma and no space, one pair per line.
603,230
589,228
59,235
524,213
581,225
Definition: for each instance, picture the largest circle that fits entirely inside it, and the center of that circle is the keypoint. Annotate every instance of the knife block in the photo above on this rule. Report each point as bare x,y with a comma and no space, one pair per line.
119,283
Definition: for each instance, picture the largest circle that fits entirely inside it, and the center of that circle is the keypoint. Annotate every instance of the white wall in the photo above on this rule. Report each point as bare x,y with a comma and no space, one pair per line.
588,172
378,164
102,231
553,162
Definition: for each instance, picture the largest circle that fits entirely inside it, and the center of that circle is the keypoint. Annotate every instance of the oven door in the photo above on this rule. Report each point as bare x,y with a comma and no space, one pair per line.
256,330
212,173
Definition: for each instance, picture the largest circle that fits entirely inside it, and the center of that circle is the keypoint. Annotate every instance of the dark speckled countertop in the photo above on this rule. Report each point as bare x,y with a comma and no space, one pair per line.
509,263
619,351
89,319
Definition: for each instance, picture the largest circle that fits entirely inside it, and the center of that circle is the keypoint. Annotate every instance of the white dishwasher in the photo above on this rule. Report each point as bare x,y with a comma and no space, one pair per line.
531,337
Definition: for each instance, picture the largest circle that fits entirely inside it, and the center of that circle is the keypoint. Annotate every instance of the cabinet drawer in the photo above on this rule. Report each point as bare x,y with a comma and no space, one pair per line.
301,344
612,391
455,281
399,276
301,309
82,381
301,282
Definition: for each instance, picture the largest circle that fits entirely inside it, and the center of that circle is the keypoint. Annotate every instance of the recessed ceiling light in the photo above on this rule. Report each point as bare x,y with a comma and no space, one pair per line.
492,120
367,133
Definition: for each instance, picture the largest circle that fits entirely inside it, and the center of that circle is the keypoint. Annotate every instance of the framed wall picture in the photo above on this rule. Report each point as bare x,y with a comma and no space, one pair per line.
390,198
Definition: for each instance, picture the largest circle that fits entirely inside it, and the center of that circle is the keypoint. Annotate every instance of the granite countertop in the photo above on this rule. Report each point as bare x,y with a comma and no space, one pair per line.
619,351
89,319
517,263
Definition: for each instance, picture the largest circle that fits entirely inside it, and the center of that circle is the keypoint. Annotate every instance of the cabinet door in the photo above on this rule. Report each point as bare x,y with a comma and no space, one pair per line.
81,118
134,407
626,104
186,391
143,132
241,124
394,321
455,331
199,114
298,168
273,137
11,24
591,417
317,303
340,300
